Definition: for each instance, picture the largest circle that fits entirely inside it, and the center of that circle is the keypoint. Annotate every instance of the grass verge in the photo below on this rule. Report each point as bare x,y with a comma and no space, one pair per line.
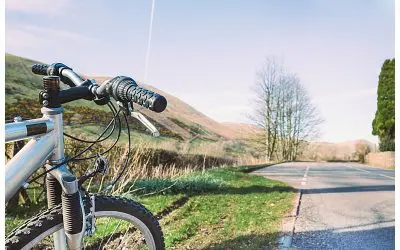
226,209
243,212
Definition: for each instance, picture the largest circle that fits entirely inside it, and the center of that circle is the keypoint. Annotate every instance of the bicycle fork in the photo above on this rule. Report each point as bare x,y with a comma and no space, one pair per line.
62,187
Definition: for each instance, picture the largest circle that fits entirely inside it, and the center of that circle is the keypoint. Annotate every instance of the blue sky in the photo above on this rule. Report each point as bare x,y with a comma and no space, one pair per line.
207,52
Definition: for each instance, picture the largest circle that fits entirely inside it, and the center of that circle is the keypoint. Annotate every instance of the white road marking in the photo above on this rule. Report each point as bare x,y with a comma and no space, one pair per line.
306,173
305,176
391,177
363,170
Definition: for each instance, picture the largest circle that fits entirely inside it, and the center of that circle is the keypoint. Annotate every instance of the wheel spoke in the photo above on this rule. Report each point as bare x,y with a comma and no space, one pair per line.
119,223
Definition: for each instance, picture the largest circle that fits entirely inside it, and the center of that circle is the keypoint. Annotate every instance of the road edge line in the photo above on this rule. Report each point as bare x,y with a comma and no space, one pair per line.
285,240
296,209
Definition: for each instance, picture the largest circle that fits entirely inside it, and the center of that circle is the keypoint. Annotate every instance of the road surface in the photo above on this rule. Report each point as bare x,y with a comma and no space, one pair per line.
342,206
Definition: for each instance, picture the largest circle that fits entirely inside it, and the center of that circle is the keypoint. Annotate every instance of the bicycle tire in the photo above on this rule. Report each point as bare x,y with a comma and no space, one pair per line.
36,229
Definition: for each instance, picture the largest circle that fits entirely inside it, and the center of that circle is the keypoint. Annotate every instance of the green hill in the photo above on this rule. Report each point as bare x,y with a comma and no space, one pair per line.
20,82
181,126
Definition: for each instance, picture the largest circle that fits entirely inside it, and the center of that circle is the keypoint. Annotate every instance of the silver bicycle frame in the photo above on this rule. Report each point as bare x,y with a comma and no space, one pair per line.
46,146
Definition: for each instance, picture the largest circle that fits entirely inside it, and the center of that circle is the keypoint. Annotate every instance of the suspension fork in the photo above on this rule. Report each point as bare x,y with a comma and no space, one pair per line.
62,187
54,192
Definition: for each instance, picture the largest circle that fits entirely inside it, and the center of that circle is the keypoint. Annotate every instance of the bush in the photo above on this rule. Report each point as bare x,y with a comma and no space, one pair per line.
387,144
362,149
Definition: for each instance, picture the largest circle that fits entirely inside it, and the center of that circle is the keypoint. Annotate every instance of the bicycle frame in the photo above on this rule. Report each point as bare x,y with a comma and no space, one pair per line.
45,148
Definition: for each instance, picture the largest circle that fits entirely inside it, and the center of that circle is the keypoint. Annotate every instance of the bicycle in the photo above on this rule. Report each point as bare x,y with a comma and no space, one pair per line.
73,213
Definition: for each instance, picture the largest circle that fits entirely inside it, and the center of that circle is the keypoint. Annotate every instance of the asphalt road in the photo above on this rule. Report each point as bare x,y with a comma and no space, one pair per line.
343,205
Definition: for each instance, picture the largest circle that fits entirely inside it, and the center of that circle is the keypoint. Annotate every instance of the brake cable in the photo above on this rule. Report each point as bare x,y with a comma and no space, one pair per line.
77,155
126,159
110,105
107,150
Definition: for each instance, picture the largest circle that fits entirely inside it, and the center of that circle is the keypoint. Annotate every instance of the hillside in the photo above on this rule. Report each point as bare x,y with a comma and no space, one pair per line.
182,127
180,114
178,117
179,121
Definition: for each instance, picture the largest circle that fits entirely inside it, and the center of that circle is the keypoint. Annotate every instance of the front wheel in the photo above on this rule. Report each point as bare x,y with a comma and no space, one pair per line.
120,224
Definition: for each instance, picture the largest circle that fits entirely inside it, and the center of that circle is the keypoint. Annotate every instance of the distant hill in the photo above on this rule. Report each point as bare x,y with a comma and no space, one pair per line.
179,117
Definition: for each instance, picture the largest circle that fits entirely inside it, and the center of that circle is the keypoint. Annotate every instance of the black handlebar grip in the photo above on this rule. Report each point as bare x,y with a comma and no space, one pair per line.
125,89
40,69
147,99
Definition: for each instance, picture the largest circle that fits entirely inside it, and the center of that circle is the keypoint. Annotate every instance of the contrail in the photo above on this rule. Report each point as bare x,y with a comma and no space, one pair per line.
149,41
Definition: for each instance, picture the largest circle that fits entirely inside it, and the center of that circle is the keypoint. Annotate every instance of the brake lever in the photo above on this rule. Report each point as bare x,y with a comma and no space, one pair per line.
146,123
128,109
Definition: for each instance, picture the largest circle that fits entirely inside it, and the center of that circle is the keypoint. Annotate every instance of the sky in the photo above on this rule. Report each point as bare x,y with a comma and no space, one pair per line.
207,52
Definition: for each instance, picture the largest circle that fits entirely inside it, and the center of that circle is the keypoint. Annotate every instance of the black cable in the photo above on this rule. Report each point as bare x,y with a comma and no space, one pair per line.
107,150
75,156
103,139
126,160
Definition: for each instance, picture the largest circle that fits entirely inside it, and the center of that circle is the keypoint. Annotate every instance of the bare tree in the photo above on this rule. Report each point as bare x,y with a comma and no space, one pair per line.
362,149
284,111
266,105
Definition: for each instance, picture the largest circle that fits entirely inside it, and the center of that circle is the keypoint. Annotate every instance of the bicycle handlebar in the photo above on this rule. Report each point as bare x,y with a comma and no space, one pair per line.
125,89
40,69
121,88
66,74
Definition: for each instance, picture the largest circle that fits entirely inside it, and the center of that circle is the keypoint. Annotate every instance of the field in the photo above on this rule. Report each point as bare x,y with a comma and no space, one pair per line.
221,208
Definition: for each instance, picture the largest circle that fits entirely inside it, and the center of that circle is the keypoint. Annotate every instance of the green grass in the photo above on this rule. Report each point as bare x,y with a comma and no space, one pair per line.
191,184
227,209
157,203
244,214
